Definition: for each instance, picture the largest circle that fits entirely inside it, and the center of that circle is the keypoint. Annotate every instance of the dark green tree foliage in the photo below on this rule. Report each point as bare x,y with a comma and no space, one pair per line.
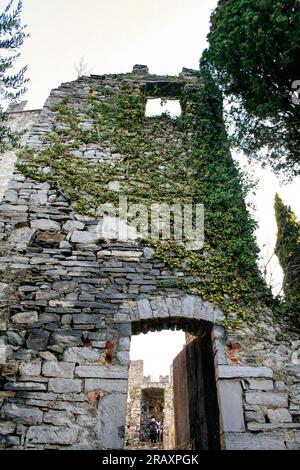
254,50
288,252
12,35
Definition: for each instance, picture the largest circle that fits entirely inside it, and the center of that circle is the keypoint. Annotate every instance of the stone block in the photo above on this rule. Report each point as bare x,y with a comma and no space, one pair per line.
231,372
110,427
64,385
32,368
58,369
271,426
51,435
66,338
231,405
45,224
23,415
59,418
144,308
82,355
106,385
279,415
86,318
257,384
124,344
12,441
38,339
15,339
123,357
159,307
188,305
255,415
65,287
73,225
34,386
101,372
7,427
267,398
247,441
25,318
84,237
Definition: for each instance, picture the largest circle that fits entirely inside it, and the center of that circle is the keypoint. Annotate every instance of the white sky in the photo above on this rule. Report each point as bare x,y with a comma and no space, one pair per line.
113,35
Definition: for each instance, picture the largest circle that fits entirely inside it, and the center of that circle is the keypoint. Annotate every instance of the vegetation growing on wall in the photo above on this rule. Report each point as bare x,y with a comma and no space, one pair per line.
163,160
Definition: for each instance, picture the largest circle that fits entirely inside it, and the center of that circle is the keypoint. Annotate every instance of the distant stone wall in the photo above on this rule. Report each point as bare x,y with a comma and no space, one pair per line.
137,382
70,302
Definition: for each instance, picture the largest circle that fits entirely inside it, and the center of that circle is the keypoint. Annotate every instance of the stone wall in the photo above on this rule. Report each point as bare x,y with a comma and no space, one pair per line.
70,301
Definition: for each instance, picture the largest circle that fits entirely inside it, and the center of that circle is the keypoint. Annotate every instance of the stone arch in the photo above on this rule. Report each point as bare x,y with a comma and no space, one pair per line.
182,311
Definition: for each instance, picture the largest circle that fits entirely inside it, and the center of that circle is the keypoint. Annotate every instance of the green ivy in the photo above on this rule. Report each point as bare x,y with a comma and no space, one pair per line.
152,166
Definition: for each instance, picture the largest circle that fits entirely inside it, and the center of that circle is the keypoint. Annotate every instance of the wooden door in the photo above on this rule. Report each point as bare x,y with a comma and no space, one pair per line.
195,397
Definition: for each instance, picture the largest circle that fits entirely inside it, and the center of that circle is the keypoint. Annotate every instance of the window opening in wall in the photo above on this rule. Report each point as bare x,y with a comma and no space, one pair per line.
159,106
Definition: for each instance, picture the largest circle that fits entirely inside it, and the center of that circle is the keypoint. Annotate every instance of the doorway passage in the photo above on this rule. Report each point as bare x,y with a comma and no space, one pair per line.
182,406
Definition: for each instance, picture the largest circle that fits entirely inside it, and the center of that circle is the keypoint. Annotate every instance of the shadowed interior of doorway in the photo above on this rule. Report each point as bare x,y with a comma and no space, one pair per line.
178,410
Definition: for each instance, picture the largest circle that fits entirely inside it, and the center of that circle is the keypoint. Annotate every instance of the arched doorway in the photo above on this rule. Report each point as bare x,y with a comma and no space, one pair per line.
194,390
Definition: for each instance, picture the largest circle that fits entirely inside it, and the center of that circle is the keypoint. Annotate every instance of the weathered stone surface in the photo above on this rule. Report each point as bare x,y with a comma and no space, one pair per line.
108,386
58,369
279,415
59,418
265,385
231,372
84,237
66,338
159,307
101,372
23,415
22,235
24,386
7,427
145,309
32,368
86,318
255,415
81,355
48,356
124,344
15,339
65,287
271,426
49,238
45,224
123,357
247,441
109,422
38,339
64,385
12,441
46,295
231,405
267,398
73,225
25,317
188,305
51,435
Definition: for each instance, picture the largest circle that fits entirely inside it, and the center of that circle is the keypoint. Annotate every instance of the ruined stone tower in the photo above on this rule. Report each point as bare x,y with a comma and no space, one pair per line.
71,297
